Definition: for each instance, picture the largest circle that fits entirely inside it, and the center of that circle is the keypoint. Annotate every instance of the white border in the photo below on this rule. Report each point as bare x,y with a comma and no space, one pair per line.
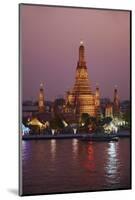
9,97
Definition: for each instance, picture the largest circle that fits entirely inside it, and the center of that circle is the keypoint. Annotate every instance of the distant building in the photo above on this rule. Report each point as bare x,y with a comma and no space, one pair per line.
29,108
125,106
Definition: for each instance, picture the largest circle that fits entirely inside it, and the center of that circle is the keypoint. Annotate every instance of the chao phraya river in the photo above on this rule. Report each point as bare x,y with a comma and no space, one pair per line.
71,165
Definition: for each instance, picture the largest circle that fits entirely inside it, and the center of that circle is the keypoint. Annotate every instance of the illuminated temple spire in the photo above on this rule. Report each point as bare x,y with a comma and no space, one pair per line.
81,52
81,62
81,96
41,100
116,103
81,42
97,101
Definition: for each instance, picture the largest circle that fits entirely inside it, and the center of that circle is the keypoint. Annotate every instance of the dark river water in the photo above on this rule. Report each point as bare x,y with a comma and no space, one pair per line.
53,166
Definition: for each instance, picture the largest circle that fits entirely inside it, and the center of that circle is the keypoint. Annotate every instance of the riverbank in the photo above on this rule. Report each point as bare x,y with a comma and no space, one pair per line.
77,136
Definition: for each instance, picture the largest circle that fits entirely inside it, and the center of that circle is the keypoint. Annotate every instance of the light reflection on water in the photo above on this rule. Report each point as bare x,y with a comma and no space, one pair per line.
90,162
74,165
74,148
112,163
53,148
112,160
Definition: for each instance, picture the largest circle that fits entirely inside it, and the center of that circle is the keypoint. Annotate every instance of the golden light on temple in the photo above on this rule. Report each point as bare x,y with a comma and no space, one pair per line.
41,99
81,96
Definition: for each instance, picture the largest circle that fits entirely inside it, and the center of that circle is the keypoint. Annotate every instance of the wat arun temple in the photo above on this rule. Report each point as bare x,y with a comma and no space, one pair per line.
81,98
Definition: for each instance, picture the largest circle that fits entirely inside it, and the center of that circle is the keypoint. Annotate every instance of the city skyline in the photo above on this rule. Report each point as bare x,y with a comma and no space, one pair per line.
50,54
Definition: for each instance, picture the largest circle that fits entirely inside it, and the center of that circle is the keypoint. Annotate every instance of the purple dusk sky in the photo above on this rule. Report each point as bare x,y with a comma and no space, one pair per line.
50,38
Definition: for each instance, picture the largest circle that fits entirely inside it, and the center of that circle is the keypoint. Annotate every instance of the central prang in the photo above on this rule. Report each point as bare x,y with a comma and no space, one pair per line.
81,97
